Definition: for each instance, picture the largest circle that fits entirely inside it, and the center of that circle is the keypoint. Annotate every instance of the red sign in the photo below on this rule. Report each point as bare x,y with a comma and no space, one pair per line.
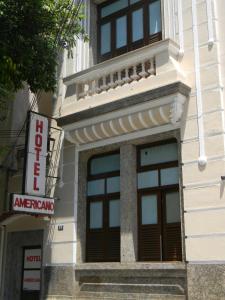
33,204
36,155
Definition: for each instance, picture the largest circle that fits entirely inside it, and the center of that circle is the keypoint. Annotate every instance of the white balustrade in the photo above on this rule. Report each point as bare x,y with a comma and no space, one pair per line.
117,79
123,70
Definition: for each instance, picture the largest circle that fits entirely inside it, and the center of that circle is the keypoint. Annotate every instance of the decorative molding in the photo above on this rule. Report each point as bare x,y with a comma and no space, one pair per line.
163,114
129,136
177,108
69,137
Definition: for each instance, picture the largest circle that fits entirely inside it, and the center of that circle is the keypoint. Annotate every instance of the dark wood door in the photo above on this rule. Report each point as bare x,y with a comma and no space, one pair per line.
149,238
171,226
159,227
33,295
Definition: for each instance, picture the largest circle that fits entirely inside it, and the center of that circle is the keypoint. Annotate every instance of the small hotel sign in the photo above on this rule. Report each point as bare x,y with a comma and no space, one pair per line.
36,155
33,204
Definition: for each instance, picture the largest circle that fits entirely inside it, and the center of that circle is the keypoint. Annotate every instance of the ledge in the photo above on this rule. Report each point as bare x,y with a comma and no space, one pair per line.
166,90
138,269
131,266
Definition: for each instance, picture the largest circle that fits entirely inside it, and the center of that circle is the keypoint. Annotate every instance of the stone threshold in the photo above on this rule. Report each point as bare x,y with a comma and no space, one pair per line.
132,266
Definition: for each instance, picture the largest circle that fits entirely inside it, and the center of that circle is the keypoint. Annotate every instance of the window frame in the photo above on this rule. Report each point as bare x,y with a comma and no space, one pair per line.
160,191
106,231
147,39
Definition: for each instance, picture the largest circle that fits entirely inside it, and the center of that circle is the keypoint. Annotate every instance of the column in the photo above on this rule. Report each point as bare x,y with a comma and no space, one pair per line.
128,198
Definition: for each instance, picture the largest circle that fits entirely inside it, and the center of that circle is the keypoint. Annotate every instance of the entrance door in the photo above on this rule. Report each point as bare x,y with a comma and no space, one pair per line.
31,273
159,232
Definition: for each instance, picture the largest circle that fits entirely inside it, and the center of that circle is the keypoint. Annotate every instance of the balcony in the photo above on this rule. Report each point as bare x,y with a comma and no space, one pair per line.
139,90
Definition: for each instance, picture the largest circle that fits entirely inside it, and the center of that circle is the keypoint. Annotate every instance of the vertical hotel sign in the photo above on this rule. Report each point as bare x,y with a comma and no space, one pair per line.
34,198
35,174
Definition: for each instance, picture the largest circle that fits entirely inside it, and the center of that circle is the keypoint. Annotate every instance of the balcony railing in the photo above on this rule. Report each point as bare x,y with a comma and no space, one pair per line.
122,70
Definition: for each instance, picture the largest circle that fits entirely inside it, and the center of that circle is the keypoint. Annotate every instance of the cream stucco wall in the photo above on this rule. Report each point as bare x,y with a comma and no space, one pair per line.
202,127
204,198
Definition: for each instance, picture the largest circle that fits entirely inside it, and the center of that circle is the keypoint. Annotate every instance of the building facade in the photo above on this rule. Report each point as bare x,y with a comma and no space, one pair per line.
139,199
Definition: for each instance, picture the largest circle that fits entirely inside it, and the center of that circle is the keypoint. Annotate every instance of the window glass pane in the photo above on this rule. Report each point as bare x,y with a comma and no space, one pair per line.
96,187
148,179
155,17
159,154
121,32
96,215
114,213
113,184
149,210
134,1
106,38
172,207
137,25
115,6
105,164
169,176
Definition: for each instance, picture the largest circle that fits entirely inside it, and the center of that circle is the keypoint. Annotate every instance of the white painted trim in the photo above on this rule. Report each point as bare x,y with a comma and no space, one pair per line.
132,123
77,134
201,209
206,235
69,137
180,26
152,118
142,121
163,116
88,137
95,132
210,22
104,130
122,125
202,156
113,128
130,136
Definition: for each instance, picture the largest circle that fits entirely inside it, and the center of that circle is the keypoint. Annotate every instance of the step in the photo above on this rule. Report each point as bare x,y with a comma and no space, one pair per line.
154,288
131,281
127,296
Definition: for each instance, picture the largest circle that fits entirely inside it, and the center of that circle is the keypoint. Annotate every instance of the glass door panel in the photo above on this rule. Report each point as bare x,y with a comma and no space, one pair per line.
149,228
96,216
149,213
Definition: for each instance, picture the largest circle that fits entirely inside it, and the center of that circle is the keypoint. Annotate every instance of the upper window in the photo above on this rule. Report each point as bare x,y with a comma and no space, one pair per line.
125,25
